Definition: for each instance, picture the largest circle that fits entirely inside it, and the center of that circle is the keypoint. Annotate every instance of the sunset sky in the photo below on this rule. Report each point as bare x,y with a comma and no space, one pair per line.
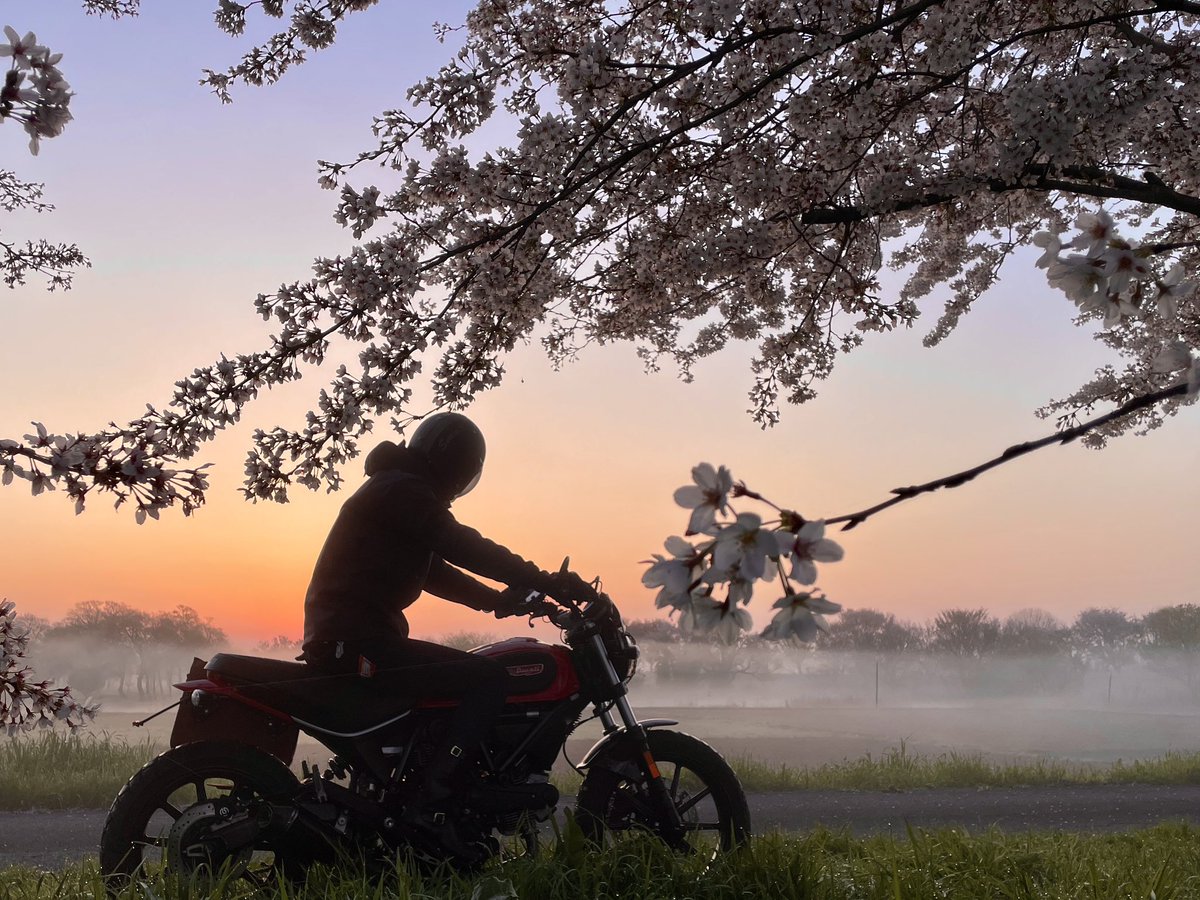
188,209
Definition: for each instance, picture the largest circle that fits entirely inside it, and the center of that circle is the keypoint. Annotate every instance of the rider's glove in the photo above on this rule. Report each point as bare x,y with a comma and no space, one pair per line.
567,587
511,602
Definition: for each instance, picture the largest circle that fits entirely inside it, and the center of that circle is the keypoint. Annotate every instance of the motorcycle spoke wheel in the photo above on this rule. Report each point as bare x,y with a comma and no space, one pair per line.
616,798
162,819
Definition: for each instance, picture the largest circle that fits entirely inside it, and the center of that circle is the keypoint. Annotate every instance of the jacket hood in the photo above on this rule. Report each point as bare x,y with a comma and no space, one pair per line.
389,455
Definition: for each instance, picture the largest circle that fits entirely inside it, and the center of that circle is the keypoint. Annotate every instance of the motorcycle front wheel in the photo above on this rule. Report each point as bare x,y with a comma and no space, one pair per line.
615,796
182,812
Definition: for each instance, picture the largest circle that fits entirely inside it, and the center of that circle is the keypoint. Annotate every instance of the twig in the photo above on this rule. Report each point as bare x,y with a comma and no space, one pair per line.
960,478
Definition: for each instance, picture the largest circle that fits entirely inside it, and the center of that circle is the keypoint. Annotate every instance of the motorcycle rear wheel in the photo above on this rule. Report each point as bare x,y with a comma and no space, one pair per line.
615,797
160,819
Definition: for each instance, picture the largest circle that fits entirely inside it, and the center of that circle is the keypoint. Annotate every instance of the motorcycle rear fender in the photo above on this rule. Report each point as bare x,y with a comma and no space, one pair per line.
213,711
615,739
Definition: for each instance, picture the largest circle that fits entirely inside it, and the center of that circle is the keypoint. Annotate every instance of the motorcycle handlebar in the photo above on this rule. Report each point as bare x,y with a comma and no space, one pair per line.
538,603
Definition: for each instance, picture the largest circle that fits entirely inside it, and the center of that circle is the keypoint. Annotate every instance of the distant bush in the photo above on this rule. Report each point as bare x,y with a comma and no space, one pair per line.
467,640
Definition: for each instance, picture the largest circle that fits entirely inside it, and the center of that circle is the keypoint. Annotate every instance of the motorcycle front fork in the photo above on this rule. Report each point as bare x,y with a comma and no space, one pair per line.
660,795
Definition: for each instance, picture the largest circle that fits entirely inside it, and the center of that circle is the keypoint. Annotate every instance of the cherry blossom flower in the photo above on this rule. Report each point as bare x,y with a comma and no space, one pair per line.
23,50
807,547
1096,231
673,574
800,616
1121,265
1050,245
707,615
1178,355
743,545
1079,277
1171,289
734,558
707,497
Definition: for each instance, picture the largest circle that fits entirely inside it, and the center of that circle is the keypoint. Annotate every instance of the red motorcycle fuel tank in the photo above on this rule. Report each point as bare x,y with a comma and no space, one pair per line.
537,672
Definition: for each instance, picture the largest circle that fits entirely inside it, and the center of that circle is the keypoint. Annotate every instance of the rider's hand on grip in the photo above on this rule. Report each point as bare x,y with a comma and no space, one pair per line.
567,587
510,602
519,601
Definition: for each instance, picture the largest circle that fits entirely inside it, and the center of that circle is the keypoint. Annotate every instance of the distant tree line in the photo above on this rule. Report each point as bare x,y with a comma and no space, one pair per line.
1099,634
105,645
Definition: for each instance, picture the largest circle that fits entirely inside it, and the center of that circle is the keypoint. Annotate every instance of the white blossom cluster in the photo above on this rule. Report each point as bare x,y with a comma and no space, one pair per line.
34,92
36,95
732,551
25,703
1140,286
687,174
1111,277
56,262
312,25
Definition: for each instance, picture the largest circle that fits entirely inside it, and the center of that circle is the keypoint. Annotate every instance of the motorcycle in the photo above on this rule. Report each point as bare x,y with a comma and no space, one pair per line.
224,799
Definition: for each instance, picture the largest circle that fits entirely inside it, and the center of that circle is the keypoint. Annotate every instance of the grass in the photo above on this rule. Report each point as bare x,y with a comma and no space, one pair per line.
898,770
52,770
1160,863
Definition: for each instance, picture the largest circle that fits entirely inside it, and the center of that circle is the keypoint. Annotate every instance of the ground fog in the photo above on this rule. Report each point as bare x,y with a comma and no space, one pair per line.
808,707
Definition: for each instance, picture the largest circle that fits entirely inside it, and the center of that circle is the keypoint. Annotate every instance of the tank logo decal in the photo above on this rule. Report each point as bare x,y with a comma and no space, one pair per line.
522,671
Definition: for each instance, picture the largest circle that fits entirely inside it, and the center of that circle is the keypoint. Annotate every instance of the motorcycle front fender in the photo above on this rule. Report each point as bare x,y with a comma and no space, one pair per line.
622,740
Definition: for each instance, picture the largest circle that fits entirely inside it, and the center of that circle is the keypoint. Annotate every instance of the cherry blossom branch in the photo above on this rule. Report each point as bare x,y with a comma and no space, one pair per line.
24,702
853,520
1083,180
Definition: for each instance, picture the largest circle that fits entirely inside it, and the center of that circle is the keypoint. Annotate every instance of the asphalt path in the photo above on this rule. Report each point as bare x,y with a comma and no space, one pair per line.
53,838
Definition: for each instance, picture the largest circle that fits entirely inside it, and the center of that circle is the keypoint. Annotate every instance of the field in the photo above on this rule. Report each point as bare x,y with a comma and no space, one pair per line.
1003,731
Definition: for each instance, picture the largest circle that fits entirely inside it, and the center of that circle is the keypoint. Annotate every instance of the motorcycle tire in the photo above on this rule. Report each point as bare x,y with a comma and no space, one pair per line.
182,791
614,794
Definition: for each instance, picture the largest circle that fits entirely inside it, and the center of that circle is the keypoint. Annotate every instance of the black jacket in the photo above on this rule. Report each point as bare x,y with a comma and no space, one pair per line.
393,539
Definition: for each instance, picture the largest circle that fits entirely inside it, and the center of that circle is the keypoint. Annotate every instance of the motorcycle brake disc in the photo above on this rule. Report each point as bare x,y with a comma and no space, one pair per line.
192,846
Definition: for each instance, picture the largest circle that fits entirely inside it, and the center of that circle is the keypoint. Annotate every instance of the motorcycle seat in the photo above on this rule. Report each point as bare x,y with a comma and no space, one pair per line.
344,705
256,669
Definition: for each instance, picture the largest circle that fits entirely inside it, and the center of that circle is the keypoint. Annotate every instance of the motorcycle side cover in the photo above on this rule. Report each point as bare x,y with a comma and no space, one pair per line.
209,712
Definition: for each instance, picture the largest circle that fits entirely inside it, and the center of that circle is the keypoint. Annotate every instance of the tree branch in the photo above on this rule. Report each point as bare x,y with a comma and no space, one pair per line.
958,479
1087,180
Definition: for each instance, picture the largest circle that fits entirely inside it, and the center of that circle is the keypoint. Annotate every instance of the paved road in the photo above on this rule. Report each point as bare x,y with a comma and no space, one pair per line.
53,838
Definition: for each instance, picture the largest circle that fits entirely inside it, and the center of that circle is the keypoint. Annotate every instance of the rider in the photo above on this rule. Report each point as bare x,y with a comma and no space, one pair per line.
394,538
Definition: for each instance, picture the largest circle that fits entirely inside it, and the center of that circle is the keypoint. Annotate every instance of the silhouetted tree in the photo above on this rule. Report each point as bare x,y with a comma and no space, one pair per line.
1105,636
124,640
653,630
467,640
35,627
1170,639
1173,627
281,643
113,635
871,630
183,627
104,620
1032,631
171,639
965,632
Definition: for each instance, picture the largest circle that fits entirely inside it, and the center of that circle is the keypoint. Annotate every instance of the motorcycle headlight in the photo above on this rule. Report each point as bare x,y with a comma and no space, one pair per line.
629,650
